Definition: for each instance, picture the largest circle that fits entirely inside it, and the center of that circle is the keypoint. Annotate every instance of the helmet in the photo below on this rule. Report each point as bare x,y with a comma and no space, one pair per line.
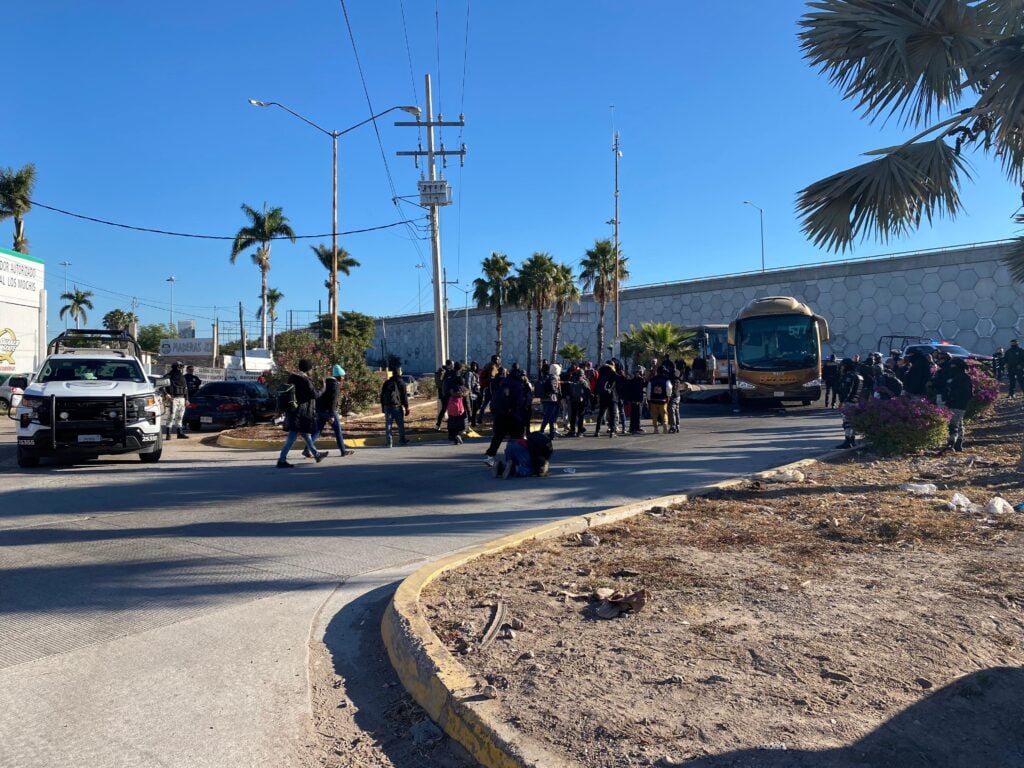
337,370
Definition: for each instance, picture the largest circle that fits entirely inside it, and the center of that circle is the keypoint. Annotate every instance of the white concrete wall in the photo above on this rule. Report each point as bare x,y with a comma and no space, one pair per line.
22,312
964,295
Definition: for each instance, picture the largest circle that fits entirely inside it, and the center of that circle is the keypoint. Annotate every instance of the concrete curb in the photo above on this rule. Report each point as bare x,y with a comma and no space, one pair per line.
444,688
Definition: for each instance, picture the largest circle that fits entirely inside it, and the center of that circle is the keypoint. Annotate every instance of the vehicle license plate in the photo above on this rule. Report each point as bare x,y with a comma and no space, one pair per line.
89,438
780,394
206,419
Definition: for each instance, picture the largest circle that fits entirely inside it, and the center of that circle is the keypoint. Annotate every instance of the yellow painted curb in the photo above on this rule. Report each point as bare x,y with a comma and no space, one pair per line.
443,687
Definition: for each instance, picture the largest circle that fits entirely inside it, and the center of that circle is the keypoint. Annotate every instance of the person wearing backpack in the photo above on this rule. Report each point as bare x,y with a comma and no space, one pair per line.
659,392
633,393
441,378
301,420
457,414
394,403
327,411
548,390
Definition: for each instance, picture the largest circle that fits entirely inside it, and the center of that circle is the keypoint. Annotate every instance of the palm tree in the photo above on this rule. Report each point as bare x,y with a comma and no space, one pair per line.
16,200
950,71
597,273
345,266
654,340
537,294
78,302
567,293
492,290
119,320
572,353
264,227
274,296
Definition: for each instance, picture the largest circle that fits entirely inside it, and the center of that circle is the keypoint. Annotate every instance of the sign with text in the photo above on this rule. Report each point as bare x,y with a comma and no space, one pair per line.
186,347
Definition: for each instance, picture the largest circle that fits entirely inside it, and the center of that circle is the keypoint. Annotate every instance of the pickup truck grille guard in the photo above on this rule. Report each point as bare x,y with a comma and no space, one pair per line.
105,414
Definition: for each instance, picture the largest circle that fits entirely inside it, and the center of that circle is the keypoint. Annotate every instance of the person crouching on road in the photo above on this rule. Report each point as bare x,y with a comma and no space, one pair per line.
302,420
850,385
327,411
394,402
526,456
178,390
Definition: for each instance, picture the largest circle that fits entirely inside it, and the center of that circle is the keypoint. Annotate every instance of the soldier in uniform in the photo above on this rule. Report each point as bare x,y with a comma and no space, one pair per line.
850,385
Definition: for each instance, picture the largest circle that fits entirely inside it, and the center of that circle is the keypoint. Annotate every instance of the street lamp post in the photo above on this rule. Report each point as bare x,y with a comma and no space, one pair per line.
171,280
65,264
334,196
419,289
761,213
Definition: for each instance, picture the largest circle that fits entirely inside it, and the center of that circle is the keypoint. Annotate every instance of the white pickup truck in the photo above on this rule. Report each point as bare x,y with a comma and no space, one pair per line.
90,397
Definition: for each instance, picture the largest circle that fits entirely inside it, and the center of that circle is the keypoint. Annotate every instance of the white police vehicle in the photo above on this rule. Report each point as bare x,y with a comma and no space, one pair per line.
90,397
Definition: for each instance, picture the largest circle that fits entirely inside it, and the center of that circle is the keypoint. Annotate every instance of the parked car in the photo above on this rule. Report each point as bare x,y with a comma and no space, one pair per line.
228,404
411,385
11,387
953,350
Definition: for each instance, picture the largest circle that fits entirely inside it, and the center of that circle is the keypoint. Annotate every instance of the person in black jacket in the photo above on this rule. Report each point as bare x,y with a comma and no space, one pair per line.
1013,359
887,384
302,421
918,375
830,378
958,391
634,392
327,411
850,385
178,392
394,402
607,395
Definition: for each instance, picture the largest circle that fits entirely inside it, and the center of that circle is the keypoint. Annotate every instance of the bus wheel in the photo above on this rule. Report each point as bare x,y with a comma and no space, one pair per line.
806,402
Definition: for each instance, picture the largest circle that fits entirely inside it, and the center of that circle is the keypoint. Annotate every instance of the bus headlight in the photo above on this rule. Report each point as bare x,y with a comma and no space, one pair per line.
740,384
813,383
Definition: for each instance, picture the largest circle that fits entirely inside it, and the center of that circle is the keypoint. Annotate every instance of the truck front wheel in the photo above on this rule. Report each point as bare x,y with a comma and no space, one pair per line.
27,460
152,457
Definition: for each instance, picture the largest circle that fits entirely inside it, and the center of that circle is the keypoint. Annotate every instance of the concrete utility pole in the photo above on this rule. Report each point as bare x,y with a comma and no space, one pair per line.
615,220
435,192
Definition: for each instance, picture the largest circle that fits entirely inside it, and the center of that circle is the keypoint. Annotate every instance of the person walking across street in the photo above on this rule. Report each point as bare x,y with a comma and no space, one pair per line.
442,378
1014,362
301,418
178,392
394,403
327,411
487,374
850,385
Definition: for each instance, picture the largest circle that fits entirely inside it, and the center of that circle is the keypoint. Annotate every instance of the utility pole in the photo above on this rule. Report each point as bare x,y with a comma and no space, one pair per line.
618,154
241,325
419,289
65,264
435,192
171,280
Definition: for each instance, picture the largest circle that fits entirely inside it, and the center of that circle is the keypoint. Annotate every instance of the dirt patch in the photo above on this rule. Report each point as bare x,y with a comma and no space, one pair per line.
799,616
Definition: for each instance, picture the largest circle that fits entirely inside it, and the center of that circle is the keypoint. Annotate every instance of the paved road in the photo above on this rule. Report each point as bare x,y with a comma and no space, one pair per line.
161,615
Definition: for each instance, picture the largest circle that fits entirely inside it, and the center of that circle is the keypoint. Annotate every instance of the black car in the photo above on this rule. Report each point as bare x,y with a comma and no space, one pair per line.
228,404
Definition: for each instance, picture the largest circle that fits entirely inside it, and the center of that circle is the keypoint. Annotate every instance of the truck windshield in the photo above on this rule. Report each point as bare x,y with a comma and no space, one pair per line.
777,343
85,369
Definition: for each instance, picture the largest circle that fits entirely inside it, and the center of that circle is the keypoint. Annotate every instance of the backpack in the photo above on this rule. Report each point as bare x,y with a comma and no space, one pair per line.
578,391
456,407
287,399
608,387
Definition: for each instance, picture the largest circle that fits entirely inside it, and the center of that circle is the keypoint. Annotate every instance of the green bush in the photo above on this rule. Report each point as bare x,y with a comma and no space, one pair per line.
427,387
900,425
361,388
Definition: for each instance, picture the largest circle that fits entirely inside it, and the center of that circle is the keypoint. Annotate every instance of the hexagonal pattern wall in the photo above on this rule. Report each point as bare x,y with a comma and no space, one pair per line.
961,294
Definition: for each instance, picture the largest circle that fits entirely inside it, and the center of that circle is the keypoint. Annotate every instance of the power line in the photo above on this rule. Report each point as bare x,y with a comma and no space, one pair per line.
204,237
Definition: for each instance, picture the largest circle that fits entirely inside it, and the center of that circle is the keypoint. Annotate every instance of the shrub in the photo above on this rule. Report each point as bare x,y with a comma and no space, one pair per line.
427,387
986,391
361,386
900,425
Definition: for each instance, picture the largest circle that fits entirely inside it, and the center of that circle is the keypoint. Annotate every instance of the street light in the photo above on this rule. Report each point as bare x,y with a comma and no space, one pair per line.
419,295
171,280
415,111
761,212
65,264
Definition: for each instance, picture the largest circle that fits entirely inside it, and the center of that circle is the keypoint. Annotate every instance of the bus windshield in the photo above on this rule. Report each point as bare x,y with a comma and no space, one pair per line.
777,343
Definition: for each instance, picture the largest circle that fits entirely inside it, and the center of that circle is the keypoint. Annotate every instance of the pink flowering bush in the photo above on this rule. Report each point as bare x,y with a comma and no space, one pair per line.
900,425
986,390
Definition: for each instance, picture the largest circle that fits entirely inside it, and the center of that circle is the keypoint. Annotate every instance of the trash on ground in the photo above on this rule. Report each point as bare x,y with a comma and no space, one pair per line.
919,489
997,505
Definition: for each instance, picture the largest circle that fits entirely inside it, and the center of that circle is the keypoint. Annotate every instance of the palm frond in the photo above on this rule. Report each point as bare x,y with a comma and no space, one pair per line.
894,58
1014,260
1000,75
886,197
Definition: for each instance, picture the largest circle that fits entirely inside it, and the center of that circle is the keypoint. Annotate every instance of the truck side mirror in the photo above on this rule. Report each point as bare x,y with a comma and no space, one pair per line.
18,382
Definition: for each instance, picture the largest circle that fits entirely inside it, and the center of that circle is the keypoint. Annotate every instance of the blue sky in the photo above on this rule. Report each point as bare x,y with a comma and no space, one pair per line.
137,113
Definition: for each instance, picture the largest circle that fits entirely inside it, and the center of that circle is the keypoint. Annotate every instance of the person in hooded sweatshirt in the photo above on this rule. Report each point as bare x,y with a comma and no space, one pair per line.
607,396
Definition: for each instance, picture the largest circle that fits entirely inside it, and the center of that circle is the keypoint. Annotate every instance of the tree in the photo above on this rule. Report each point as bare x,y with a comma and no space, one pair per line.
950,70
16,200
597,273
150,336
566,294
78,302
274,296
536,292
119,320
345,266
572,353
263,228
492,290
654,340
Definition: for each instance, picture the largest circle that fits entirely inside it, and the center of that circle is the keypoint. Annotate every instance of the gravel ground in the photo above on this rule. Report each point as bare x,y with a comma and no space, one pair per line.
837,617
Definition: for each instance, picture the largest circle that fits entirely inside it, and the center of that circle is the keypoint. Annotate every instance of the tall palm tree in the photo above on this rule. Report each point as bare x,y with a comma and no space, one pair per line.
78,302
654,340
537,294
567,294
492,290
949,70
274,297
16,200
263,227
345,266
597,273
